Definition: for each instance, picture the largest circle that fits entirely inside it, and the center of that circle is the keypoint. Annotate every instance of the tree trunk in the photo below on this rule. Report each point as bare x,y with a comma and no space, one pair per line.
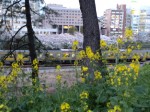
31,38
90,31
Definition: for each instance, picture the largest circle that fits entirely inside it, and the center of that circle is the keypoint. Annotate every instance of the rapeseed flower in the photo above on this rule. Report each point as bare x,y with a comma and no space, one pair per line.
128,33
89,111
117,108
19,57
136,57
82,54
84,69
139,46
97,56
75,45
97,75
119,40
129,50
58,67
108,104
2,106
75,62
15,65
103,43
82,79
65,107
89,52
84,95
58,78
135,66
35,61
1,64
111,110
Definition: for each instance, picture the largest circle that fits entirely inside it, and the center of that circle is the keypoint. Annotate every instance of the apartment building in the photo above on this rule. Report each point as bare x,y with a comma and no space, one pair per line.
128,18
124,9
14,23
140,21
66,18
114,22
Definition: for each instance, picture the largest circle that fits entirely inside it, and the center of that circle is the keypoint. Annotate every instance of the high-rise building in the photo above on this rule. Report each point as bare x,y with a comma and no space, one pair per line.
128,18
15,20
114,22
66,18
140,21
123,8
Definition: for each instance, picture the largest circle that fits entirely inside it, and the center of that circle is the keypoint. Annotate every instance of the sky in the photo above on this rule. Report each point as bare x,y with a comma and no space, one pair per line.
102,5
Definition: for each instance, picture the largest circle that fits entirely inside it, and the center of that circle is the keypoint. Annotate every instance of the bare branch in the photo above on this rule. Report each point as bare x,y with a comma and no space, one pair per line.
15,36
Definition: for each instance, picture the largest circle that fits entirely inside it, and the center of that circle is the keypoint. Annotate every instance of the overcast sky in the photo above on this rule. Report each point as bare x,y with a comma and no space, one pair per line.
101,5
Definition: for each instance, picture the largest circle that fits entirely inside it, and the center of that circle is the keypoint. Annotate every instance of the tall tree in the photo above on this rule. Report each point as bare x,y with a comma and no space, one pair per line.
12,13
31,38
90,30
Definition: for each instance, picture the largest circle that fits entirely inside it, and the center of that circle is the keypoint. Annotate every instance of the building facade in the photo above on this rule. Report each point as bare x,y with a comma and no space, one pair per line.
124,9
140,21
18,20
66,18
114,22
128,18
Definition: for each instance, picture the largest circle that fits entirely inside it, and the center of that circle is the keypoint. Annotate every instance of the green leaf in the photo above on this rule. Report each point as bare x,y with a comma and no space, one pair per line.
43,109
101,99
140,90
129,110
124,104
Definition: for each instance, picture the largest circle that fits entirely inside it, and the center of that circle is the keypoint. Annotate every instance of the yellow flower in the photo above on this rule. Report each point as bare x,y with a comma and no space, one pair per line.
139,46
2,78
82,80
84,95
75,45
35,61
75,42
35,67
97,75
58,67
34,80
119,40
1,64
136,57
129,50
85,106
97,56
75,62
82,54
89,111
65,107
1,106
19,57
103,43
108,104
58,78
119,81
132,47
117,108
128,33
135,66
84,69
15,65
112,81
111,110
89,52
